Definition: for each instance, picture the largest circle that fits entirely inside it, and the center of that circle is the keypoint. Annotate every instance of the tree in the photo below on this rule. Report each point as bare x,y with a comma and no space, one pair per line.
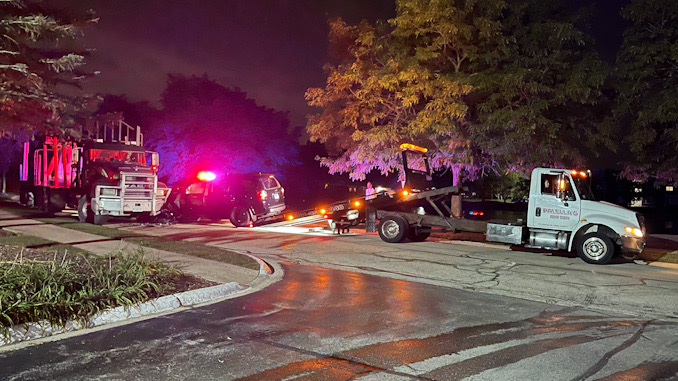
536,93
39,59
647,78
204,125
484,84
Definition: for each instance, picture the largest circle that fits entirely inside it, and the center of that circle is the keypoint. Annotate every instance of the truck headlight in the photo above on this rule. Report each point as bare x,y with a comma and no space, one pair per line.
109,192
635,231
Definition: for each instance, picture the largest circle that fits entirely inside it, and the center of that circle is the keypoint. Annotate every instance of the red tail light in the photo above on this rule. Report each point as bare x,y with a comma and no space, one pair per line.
263,195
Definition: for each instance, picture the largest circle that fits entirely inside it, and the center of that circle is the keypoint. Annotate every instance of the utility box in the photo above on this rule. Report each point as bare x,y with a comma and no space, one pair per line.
504,233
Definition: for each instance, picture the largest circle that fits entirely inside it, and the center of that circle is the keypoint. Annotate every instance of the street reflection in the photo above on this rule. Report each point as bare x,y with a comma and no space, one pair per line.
351,306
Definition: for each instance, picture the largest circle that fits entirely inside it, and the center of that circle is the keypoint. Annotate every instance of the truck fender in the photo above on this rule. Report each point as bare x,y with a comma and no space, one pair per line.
587,227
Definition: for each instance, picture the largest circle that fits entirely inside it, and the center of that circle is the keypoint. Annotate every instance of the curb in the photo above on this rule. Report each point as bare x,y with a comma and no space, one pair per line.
32,331
264,268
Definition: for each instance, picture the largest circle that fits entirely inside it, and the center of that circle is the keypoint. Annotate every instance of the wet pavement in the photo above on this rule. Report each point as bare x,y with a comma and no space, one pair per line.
324,324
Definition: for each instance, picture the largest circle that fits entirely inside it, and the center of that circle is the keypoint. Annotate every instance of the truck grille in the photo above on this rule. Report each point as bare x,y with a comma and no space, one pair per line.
138,187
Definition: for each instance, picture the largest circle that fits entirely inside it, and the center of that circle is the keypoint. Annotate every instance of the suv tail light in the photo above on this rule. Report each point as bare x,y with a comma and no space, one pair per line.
263,195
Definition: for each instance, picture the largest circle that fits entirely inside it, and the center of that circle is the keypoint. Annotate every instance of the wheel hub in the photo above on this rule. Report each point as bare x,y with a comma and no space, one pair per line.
390,229
595,248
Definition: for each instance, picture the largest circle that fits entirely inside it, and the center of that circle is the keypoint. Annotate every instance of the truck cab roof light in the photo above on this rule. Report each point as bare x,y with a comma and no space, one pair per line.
412,147
575,173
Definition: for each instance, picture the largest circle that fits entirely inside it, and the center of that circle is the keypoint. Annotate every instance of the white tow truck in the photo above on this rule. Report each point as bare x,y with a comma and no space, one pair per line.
562,214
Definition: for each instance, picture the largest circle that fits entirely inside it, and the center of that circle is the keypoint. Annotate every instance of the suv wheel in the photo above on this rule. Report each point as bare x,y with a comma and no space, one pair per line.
240,216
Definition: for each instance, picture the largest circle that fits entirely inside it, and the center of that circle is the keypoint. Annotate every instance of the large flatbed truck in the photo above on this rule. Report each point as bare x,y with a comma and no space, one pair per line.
105,171
562,214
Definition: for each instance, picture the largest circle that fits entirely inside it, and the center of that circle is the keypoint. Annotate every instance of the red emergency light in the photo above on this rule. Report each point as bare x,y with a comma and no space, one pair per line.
206,176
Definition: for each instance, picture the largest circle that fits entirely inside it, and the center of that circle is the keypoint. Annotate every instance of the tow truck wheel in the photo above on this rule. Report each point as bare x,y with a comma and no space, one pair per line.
240,216
595,248
393,228
417,236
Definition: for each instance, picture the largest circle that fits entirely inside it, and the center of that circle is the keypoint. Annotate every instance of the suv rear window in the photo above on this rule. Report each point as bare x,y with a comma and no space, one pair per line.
269,182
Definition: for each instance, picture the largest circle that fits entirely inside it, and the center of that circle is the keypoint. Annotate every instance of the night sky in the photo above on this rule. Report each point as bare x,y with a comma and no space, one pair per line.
272,49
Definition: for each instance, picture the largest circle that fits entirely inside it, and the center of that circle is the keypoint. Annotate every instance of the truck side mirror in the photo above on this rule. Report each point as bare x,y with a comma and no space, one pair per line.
155,158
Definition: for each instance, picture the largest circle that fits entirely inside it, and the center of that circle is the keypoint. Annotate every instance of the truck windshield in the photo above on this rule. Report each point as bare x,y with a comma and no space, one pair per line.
115,156
584,187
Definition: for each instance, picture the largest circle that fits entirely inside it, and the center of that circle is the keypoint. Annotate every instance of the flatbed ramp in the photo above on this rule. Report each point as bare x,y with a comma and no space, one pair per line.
294,222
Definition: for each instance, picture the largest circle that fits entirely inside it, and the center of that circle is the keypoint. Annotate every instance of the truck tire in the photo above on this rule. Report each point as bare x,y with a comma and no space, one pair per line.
595,248
240,216
393,228
417,236
86,214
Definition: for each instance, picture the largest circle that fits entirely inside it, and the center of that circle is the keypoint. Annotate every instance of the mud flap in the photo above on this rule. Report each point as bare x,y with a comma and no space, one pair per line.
371,220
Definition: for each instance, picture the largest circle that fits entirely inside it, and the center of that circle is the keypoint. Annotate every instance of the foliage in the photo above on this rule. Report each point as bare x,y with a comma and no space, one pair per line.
484,84
504,186
534,98
647,78
76,286
39,59
204,125
378,97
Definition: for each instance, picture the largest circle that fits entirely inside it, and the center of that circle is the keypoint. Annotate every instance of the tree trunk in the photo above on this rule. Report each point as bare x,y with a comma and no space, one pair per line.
455,206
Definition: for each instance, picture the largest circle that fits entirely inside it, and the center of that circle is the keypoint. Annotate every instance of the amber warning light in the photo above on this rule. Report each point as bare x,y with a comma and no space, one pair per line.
206,176
412,147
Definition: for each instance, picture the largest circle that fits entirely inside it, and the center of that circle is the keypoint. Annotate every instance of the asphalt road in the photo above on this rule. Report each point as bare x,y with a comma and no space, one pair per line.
353,307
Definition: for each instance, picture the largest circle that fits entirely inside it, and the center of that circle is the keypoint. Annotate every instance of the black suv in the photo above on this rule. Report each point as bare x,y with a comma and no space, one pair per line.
243,199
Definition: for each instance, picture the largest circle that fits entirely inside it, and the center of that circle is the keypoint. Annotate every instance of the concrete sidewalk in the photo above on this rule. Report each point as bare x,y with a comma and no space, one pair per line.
233,279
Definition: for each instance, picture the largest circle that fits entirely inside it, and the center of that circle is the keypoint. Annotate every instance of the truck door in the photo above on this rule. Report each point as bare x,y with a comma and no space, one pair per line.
556,205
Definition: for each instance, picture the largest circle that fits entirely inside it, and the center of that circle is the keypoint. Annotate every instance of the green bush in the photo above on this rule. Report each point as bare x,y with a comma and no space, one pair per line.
77,286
